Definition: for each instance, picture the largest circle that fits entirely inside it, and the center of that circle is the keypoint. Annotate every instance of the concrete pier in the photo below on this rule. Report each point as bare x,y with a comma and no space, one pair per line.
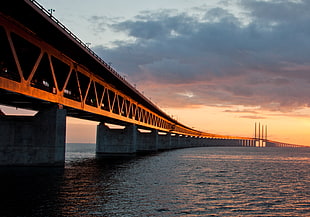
164,141
175,141
131,140
116,142
214,142
147,141
33,140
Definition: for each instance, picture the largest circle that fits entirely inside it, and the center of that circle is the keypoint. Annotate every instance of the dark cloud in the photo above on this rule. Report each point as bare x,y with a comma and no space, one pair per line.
151,25
217,58
277,11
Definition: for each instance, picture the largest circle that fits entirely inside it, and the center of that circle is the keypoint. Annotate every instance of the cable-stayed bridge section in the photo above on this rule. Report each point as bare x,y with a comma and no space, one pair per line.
45,67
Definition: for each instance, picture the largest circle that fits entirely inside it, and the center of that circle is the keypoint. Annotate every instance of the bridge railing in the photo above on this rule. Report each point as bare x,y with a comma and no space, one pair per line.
62,26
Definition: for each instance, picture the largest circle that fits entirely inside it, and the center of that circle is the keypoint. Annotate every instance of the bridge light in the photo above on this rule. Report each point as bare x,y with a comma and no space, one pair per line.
68,92
45,83
3,67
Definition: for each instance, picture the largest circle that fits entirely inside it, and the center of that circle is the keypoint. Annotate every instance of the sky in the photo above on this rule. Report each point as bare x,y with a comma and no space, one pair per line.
218,66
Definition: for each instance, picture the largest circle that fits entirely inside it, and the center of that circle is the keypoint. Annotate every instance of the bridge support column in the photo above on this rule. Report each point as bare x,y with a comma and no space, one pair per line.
235,142
270,144
182,141
164,141
147,141
210,142
190,142
194,142
198,142
175,141
116,142
204,142
33,140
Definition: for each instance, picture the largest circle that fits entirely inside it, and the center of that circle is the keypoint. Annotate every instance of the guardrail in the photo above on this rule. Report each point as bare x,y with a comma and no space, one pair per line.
76,39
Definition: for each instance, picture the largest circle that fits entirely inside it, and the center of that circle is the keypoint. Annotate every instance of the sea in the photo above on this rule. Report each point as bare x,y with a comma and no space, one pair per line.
207,181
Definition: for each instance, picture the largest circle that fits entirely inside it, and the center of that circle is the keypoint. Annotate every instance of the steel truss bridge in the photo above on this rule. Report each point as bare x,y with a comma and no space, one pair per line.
42,63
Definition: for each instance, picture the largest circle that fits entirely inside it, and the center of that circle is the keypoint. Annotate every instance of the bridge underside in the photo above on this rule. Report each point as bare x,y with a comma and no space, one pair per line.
17,100
32,141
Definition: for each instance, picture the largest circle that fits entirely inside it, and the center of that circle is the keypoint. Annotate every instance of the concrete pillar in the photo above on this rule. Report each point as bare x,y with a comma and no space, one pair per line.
235,142
116,142
147,141
164,141
33,140
175,141
196,142
182,141
208,142
270,144
190,142
186,142
200,142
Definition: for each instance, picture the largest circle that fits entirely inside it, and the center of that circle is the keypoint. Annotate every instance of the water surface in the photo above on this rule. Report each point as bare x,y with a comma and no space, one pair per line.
209,181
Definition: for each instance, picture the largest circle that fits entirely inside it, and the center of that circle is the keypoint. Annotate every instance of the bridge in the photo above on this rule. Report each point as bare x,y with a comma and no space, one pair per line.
46,68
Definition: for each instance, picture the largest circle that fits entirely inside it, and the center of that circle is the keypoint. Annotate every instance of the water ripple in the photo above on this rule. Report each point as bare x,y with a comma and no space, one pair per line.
187,182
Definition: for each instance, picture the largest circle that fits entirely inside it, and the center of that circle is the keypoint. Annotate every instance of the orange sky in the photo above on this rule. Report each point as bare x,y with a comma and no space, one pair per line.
282,128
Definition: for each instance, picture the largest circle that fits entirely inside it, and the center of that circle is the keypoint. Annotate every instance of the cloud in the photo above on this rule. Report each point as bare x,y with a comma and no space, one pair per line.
240,111
252,117
216,57
277,12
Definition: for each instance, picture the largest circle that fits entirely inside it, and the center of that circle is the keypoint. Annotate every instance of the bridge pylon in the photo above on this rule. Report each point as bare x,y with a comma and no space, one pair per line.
33,140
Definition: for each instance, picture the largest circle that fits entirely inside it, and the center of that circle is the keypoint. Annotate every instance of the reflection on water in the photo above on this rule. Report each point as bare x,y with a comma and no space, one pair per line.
187,182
